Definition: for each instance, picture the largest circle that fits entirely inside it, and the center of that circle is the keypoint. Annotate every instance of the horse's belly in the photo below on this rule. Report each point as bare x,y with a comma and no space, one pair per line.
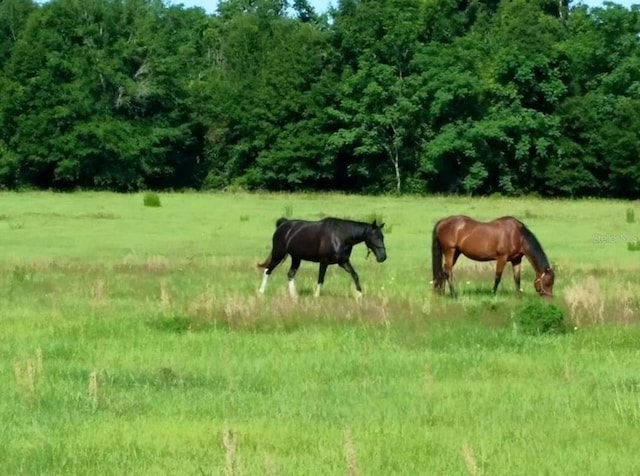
312,259
479,257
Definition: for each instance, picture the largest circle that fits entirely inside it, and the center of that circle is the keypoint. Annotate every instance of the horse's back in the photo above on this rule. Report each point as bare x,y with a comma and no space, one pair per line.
467,222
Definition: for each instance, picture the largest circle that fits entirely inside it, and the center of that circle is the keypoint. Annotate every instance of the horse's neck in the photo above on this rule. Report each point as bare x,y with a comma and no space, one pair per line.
355,235
537,265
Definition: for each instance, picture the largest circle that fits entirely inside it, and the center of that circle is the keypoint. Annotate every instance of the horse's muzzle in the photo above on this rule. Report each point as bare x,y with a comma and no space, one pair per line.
381,259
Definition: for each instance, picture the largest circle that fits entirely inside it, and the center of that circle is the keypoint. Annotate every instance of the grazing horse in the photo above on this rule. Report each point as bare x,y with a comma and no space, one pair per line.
328,241
503,239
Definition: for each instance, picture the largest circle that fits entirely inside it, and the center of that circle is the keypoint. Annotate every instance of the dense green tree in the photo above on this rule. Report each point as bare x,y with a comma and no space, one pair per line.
379,107
456,96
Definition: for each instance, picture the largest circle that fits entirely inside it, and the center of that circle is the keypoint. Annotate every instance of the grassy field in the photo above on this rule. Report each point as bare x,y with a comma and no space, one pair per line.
134,342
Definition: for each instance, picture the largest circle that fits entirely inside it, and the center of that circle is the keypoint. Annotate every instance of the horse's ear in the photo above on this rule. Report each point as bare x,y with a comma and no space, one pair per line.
374,224
381,226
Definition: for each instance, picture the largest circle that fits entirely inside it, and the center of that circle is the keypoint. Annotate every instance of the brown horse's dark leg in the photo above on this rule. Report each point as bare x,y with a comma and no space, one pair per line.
295,264
349,268
516,263
502,261
450,258
321,272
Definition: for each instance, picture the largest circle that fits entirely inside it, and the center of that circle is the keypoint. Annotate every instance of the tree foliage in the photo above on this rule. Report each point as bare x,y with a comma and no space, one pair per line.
420,96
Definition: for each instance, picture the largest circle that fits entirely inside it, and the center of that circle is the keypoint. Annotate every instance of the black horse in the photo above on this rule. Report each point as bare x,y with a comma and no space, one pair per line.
328,241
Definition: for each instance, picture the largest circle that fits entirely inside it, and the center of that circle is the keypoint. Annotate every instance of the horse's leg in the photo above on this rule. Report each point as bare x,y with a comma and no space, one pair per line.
450,258
349,268
295,264
501,262
516,264
276,257
321,272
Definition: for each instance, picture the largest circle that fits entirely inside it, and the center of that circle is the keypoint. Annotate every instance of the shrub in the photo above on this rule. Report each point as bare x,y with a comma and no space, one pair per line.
151,199
633,245
631,215
538,317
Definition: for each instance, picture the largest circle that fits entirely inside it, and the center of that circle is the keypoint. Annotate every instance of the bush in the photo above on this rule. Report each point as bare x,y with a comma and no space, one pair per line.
633,245
151,199
538,317
631,215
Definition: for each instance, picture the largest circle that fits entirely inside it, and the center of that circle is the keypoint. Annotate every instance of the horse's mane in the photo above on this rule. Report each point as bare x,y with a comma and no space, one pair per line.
537,253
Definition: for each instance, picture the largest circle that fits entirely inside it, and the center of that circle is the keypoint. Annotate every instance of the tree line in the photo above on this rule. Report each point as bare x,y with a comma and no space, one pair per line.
374,96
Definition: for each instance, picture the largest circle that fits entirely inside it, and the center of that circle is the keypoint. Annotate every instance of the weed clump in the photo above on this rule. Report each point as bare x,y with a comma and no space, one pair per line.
538,317
151,199
633,245
631,215
374,216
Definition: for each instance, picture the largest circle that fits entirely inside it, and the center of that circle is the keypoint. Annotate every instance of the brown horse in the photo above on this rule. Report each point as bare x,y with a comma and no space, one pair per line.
504,240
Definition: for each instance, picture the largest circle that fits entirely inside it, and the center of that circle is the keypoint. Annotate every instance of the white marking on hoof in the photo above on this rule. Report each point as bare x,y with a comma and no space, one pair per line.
292,289
317,291
265,278
358,295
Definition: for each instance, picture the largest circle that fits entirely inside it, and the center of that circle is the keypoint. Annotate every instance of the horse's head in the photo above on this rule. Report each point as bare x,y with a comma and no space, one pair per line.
544,282
375,241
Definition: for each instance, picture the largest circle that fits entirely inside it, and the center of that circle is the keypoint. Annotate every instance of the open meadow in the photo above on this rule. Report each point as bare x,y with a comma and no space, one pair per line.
134,342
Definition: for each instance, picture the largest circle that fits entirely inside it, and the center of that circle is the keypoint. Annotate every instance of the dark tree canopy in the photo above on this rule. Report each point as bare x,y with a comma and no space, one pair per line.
375,96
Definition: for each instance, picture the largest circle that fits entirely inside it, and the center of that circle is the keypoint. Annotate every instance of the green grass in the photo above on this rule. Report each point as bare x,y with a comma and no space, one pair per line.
160,305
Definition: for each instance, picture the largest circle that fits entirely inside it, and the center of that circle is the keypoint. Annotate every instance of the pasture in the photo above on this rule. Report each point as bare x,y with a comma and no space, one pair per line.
134,342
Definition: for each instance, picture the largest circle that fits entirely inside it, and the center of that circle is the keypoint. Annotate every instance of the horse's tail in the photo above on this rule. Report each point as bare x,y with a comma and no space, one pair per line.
265,263
436,258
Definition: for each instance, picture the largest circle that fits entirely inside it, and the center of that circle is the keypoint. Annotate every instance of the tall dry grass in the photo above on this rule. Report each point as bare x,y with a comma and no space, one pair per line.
350,454
470,461
590,304
230,451
28,373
